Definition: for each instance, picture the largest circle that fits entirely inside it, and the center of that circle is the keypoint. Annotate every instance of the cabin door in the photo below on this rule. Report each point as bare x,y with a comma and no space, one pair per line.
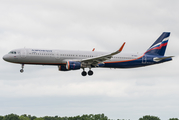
144,59
23,53
57,55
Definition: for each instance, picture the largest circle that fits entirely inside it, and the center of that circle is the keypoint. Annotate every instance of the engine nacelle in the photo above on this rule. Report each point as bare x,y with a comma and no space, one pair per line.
71,65
101,65
62,68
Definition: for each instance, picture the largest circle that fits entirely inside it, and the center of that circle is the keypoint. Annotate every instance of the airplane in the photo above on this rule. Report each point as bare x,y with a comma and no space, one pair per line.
67,60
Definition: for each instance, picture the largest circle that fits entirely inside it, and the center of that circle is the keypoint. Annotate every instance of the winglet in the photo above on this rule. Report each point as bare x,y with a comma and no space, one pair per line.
122,47
98,59
93,49
118,51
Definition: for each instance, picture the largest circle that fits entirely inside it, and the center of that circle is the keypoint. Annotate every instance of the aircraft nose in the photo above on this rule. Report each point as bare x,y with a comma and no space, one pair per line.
5,57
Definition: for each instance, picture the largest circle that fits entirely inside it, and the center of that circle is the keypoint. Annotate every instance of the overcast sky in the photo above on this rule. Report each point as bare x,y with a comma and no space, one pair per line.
84,25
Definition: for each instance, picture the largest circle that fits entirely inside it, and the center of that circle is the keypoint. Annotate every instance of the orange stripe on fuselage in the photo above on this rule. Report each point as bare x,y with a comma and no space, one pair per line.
125,60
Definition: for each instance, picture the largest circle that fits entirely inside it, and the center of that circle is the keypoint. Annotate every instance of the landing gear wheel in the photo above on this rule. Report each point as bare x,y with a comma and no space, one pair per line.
84,73
21,70
90,72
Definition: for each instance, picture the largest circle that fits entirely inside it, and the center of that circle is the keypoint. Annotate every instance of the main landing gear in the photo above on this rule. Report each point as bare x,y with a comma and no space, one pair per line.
22,70
84,73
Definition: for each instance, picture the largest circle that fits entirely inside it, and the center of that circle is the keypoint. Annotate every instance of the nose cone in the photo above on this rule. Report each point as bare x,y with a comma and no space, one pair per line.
5,57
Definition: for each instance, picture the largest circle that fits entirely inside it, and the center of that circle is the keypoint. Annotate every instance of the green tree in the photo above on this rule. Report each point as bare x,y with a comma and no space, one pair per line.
11,117
173,119
1,117
75,118
51,118
148,117
31,117
103,117
97,117
38,119
84,117
92,117
24,117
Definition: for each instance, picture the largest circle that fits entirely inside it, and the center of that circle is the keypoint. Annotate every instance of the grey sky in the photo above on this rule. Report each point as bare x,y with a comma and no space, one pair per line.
83,25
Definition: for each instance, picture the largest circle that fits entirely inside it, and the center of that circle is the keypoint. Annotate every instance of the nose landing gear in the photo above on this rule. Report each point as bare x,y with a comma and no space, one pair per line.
22,70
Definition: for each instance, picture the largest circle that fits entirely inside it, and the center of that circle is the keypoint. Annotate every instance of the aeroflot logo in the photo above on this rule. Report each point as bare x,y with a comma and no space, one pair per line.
164,41
41,50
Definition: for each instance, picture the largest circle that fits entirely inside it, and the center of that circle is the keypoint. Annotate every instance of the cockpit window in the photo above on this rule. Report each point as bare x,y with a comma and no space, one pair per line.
12,52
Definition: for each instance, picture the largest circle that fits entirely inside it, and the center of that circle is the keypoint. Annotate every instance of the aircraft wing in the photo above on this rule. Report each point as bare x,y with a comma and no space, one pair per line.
99,59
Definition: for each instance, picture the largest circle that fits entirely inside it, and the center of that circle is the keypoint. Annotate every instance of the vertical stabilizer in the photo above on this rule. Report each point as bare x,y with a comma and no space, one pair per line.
159,46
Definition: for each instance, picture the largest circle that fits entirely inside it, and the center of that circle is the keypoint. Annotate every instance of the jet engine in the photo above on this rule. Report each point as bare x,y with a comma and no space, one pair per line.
62,68
71,65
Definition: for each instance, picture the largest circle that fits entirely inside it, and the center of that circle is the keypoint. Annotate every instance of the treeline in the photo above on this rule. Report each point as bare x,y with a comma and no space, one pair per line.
83,117
29,117
148,117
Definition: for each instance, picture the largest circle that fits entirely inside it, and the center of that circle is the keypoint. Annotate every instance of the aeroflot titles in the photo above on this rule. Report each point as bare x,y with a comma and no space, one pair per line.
42,50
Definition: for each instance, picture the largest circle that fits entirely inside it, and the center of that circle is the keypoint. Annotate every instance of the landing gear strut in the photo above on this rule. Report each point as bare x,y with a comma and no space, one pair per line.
84,72
22,70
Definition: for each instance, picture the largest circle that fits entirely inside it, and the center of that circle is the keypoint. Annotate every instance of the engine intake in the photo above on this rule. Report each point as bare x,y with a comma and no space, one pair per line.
62,68
71,65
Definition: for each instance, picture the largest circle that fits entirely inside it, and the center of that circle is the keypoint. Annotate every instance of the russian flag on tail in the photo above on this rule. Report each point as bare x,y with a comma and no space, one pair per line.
159,46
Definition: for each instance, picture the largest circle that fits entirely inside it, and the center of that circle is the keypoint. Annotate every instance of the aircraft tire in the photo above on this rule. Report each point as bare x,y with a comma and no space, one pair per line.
90,72
84,73
21,70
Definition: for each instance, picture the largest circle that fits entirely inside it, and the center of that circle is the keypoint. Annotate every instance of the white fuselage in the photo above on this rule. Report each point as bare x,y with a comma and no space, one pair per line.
74,60
58,57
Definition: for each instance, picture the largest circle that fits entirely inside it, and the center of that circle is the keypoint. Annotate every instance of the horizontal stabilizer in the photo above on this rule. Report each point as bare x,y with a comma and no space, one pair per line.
156,59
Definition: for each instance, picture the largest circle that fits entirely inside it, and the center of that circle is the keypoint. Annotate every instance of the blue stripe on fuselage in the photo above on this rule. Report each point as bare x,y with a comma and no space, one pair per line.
140,62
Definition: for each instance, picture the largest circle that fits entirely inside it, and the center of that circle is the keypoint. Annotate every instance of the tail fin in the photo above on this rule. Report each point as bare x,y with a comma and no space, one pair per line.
159,46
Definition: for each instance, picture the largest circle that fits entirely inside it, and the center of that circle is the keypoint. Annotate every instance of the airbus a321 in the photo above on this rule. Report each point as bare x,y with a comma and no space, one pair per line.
75,60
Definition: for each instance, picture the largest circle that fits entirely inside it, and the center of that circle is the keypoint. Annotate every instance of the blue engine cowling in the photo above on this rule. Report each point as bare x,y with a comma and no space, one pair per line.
71,65
62,68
